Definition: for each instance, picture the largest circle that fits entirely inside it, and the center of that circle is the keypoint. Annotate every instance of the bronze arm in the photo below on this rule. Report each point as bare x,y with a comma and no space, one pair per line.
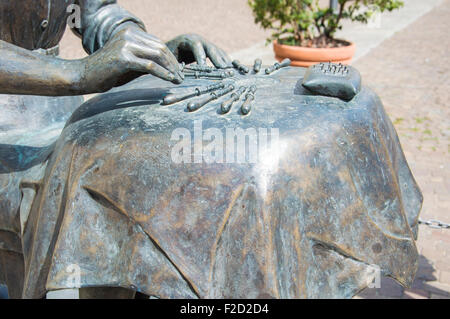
25,72
99,21
127,52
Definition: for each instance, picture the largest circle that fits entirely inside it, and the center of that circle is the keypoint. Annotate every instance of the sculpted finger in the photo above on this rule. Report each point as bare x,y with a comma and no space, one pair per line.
158,49
225,58
153,68
198,51
216,56
163,57
172,61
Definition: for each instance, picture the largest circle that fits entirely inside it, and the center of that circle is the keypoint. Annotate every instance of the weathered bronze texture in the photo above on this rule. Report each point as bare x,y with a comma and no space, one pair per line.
29,125
227,104
249,97
177,97
106,29
211,75
12,268
240,67
311,218
108,196
205,71
200,68
333,79
286,62
230,73
197,104
257,65
193,48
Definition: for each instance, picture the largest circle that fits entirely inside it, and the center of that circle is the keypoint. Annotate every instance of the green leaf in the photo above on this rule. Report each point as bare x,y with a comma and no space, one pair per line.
291,20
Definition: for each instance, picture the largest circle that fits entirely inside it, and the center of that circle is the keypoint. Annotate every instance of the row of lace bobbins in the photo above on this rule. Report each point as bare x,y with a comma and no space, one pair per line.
202,101
210,75
177,97
199,68
277,66
235,96
240,67
249,98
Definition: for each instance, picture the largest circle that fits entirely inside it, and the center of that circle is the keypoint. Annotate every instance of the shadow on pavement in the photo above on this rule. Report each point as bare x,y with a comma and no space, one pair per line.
422,287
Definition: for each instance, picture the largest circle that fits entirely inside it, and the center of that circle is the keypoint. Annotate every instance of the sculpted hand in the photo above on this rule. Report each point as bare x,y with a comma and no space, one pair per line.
189,48
129,53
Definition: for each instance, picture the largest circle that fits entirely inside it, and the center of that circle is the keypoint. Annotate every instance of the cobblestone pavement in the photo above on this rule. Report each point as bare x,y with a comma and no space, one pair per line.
410,71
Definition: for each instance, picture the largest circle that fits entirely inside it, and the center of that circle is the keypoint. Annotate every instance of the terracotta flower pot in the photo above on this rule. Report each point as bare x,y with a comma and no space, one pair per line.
303,56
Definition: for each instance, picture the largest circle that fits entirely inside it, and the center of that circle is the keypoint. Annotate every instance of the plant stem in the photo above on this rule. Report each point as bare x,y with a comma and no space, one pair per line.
339,17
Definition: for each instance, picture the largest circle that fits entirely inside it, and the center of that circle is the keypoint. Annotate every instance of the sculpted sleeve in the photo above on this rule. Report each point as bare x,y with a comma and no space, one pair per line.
99,19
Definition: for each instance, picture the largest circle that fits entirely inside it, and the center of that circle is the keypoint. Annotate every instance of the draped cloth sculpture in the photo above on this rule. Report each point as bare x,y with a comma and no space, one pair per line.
338,202
30,31
30,124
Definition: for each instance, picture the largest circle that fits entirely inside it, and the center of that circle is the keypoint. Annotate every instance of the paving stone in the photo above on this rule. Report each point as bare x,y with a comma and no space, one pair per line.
427,274
418,284
390,288
372,294
368,293
444,277
431,252
438,288
435,296
443,263
416,294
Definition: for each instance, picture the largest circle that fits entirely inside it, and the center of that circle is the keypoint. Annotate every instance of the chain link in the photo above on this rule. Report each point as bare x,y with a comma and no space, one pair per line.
433,223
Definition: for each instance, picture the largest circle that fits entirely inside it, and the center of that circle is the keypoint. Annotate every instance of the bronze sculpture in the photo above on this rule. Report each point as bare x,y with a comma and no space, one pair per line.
341,201
249,97
240,67
202,101
310,218
123,49
332,79
286,62
257,65
235,96
177,97
119,51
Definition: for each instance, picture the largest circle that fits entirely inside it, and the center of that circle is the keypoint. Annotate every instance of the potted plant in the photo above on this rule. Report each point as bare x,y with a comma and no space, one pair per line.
303,30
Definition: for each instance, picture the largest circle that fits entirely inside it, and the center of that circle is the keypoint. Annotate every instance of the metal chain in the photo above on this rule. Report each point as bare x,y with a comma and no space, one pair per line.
433,223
